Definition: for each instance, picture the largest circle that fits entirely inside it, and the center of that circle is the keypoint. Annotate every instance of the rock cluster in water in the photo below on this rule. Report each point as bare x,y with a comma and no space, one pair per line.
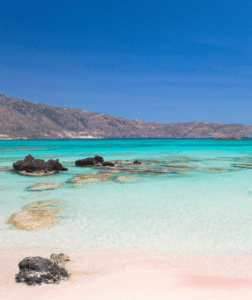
93,161
32,165
37,270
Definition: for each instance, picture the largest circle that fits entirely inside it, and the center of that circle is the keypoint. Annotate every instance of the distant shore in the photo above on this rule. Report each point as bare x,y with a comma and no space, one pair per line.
132,138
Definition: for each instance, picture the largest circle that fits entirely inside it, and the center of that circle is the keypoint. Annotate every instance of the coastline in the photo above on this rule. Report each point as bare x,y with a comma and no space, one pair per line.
243,138
135,275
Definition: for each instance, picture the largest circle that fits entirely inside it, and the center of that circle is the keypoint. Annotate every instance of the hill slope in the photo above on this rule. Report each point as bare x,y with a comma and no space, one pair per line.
24,119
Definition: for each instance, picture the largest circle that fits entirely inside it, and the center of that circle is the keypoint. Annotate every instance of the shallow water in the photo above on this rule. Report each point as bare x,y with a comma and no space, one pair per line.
202,205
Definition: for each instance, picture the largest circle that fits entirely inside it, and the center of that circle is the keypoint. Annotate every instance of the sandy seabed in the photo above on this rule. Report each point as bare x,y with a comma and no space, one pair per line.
122,275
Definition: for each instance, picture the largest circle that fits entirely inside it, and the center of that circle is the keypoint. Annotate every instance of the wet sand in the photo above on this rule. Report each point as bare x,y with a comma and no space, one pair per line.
135,276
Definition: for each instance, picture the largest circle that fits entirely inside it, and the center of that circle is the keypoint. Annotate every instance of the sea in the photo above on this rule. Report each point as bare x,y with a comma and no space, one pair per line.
187,196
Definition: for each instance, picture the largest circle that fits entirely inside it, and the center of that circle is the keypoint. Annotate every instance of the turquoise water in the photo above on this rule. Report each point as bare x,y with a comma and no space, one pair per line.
203,207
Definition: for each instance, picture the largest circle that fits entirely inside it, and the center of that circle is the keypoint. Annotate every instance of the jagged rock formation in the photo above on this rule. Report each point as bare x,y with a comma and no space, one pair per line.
37,270
24,119
40,166
93,162
90,161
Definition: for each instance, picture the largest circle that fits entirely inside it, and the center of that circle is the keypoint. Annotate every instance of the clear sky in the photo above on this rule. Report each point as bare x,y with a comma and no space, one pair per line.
163,61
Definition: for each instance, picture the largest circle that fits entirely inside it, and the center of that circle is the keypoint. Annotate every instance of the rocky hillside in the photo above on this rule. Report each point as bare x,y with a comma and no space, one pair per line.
24,119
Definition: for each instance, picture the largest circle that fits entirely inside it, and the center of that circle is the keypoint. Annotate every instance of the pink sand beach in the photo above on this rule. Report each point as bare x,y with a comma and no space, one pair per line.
134,276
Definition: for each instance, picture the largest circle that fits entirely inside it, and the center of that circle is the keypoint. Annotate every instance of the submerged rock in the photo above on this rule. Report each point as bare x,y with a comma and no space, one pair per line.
31,165
181,159
217,170
33,219
85,177
126,179
43,203
44,186
6,168
173,165
37,270
246,165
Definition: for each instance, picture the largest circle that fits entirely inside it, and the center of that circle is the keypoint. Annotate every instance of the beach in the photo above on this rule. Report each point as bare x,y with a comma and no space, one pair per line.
178,226
128,275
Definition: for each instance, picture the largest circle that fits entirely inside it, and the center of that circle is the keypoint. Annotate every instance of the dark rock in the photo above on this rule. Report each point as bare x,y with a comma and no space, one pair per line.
37,270
86,162
36,263
99,159
136,162
31,165
93,162
90,161
108,164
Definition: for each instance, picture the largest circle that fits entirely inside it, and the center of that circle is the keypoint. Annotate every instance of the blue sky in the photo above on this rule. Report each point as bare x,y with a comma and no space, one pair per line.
162,61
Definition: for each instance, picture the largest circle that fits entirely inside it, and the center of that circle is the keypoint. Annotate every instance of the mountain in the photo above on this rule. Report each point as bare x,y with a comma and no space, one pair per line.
24,119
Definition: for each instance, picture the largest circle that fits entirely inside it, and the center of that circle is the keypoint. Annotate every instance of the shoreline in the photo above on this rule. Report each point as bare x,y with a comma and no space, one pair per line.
137,275
134,275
